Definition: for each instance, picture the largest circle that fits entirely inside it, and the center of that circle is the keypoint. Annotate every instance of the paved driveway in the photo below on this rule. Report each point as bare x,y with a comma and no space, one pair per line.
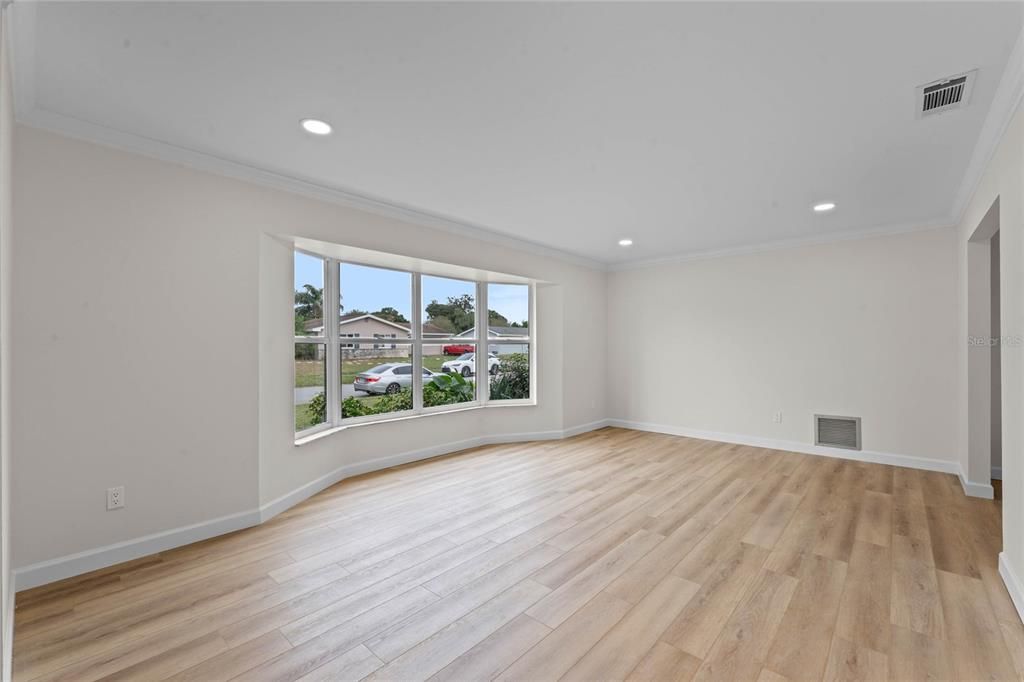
305,394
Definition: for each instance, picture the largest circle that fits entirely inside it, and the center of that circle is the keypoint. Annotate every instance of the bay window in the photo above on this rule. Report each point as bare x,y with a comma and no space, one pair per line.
374,343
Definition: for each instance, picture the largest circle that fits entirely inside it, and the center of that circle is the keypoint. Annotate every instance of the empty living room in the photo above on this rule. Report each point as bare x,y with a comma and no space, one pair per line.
522,341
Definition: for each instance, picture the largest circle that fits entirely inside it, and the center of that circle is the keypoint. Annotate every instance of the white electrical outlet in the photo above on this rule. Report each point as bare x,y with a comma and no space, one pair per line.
115,497
777,417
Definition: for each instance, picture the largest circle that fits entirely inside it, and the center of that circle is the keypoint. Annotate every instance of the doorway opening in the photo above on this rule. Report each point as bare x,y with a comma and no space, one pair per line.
984,390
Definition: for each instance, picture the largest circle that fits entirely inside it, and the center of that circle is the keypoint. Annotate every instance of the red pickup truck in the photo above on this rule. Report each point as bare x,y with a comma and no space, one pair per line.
458,349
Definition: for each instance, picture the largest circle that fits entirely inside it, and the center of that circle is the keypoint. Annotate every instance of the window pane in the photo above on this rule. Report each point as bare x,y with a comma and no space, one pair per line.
310,383
376,380
454,380
309,295
448,307
508,312
375,304
510,377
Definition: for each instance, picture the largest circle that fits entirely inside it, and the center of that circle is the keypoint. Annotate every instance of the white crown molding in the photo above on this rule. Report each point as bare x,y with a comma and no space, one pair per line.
23,50
190,158
782,244
1005,103
162,151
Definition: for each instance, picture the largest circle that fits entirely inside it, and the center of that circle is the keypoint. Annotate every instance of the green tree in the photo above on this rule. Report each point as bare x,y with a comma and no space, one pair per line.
496,319
445,324
458,310
309,302
390,314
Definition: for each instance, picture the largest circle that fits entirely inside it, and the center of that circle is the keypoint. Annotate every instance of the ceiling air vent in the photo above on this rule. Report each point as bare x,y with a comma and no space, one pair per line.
837,432
945,95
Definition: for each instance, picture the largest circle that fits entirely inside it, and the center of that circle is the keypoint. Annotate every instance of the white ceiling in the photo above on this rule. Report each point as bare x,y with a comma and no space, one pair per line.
687,127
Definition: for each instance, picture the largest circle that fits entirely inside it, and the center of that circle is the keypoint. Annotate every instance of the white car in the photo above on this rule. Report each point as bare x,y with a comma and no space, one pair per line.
465,364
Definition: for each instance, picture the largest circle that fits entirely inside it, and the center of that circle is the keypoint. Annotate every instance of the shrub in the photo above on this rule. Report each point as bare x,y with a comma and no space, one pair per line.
513,380
306,351
317,408
353,407
442,390
395,402
448,389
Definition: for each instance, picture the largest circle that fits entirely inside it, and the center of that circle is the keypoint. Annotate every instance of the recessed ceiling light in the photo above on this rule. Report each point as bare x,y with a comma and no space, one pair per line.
824,206
316,126
625,242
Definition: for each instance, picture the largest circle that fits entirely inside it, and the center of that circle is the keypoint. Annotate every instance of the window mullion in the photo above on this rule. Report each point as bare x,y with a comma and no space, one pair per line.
483,384
531,334
331,305
416,332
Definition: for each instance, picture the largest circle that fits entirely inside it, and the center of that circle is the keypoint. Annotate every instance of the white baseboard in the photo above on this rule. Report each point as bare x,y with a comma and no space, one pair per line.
290,499
60,568
908,461
7,673
972,489
76,564
997,473
1012,583
52,570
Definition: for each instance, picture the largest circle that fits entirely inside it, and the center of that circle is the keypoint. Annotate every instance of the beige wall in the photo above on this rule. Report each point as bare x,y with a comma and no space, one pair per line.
1002,179
197,428
996,370
6,130
864,328
114,390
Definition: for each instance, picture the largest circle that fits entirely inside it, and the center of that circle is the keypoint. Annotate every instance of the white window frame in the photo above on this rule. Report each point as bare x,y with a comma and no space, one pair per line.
331,339
529,342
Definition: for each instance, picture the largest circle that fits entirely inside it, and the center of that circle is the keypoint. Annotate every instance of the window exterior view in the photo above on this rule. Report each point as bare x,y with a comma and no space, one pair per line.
373,343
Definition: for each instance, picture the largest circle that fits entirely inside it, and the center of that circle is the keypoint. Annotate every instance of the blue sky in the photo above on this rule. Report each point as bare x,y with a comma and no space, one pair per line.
371,289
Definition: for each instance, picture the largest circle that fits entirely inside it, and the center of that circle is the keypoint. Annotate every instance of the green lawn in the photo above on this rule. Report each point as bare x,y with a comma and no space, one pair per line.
311,372
303,419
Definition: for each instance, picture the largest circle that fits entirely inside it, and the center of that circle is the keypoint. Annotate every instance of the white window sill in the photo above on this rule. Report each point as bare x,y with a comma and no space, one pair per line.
314,436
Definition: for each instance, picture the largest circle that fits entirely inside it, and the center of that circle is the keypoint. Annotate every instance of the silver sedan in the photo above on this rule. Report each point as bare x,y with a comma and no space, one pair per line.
388,378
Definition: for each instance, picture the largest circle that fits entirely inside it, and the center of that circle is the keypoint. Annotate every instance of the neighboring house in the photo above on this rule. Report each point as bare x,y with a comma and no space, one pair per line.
509,337
367,326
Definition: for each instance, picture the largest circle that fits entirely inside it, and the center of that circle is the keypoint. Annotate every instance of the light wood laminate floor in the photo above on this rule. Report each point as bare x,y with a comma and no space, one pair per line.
613,555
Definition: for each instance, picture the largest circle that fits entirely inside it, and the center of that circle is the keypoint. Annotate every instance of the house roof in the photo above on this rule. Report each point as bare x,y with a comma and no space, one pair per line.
499,331
508,331
428,326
